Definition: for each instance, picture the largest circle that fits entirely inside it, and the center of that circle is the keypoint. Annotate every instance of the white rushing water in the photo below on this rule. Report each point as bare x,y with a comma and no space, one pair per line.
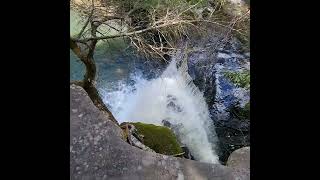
171,97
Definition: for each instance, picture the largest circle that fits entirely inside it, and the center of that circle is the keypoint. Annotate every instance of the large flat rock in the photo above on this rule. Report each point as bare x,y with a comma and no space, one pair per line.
97,151
239,161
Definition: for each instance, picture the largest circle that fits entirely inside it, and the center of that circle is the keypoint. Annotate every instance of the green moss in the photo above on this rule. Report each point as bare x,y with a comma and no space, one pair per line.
247,106
242,113
241,79
159,138
245,112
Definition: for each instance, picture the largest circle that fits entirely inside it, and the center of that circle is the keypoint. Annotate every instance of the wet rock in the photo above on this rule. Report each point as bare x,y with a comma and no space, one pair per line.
166,123
113,159
206,66
187,154
230,138
236,124
172,104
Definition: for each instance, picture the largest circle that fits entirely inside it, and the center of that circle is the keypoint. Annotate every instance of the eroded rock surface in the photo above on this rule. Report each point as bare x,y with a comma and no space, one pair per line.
98,152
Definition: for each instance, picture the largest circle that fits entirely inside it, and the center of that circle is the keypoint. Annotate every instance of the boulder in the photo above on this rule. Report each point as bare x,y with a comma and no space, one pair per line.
159,138
239,161
97,151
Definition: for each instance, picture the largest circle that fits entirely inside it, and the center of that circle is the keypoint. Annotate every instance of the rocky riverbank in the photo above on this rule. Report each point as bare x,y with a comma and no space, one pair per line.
98,151
216,129
220,68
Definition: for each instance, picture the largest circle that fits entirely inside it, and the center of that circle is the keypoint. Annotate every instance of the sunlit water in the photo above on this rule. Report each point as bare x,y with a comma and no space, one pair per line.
171,97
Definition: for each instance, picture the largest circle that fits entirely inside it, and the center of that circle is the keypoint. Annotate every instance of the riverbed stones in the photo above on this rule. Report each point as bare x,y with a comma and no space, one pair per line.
112,158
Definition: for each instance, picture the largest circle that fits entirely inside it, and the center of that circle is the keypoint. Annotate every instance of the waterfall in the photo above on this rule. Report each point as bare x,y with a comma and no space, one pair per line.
172,97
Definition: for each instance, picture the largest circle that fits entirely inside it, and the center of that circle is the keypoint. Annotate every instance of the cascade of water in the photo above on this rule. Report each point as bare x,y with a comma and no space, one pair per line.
171,97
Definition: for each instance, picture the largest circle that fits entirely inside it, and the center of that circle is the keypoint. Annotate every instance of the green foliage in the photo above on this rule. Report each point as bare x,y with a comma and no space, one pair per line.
247,106
246,111
242,113
159,138
241,79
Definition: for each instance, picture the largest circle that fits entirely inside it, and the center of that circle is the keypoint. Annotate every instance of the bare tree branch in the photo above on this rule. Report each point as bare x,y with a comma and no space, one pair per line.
86,24
76,49
129,33
152,31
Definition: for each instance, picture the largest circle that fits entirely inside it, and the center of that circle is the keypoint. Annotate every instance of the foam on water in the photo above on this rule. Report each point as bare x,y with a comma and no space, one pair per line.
171,97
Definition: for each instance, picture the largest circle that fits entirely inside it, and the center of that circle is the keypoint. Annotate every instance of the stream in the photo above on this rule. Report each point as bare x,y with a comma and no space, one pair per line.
136,89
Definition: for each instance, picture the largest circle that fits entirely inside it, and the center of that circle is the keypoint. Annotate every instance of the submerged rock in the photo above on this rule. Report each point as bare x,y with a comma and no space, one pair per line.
97,151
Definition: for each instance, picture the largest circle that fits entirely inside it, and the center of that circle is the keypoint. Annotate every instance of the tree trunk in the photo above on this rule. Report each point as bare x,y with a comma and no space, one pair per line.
91,71
90,75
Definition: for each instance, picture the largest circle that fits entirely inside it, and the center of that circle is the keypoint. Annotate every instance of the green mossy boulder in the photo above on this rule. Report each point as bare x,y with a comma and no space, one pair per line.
159,138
